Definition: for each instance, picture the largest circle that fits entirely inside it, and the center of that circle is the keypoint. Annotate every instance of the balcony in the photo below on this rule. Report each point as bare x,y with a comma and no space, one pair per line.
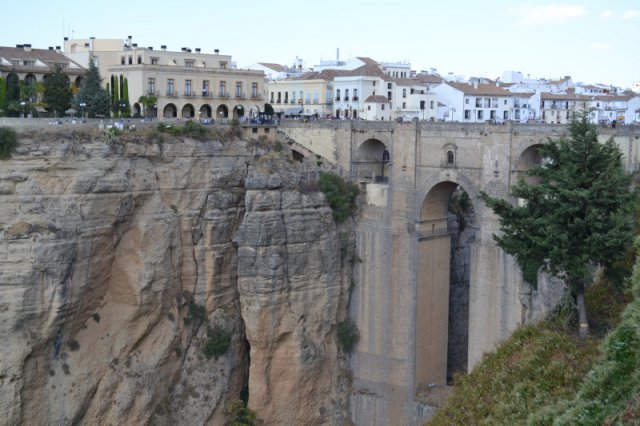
206,94
356,99
337,98
255,96
172,93
346,99
188,94
241,95
223,95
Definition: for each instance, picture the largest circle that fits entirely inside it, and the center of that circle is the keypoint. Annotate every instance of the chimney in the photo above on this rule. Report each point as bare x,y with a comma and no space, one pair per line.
150,47
163,47
135,45
198,50
216,51
58,48
129,37
19,46
50,47
87,45
27,48
66,38
338,54
475,84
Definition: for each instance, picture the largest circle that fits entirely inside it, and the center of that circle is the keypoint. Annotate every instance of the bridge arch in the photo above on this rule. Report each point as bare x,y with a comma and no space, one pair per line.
443,279
371,160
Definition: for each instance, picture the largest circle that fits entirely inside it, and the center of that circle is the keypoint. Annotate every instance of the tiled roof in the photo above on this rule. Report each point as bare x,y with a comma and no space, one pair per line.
366,60
377,99
481,89
44,55
369,70
328,75
429,78
546,96
275,67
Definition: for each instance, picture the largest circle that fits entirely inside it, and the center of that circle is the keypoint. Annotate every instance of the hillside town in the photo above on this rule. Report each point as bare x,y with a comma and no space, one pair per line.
192,84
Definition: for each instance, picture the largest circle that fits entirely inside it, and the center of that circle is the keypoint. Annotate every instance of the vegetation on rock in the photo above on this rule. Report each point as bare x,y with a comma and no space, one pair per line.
341,195
8,142
238,414
218,342
347,335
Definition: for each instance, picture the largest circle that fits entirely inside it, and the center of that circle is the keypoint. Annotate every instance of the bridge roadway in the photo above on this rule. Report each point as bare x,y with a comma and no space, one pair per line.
401,298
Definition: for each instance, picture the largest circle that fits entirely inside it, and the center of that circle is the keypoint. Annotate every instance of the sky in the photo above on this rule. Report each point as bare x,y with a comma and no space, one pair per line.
592,41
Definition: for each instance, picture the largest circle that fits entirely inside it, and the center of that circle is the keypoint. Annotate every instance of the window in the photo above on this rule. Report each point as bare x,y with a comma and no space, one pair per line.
238,89
478,102
505,115
301,96
187,87
355,94
154,61
130,60
169,87
480,114
122,60
308,97
205,88
383,107
271,99
286,97
494,102
315,97
223,87
337,95
404,105
517,114
368,107
346,95
505,102
293,96
389,85
467,114
374,83
254,90
223,65
422,104
466,101
389,95
404,93
151,86
431,105
279,97
329,95
487,103
189,63
492,114
450,157
139,59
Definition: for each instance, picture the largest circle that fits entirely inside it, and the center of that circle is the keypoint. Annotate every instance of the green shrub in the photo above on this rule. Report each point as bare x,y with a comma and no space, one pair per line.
237,414
218,341
8,142
347,335
341,195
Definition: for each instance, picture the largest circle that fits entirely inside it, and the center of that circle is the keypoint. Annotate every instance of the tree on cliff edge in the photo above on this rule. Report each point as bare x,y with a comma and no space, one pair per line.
576,216
91,93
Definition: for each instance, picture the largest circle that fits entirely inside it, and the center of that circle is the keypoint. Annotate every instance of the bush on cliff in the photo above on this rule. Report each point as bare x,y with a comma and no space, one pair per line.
8,142
341,195
218,341
347,335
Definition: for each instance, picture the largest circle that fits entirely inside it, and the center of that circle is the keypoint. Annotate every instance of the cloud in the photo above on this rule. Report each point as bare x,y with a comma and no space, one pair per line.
549,14
607,14
601,46
630,14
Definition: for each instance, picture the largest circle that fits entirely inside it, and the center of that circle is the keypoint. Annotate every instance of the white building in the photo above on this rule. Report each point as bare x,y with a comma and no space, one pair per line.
474,103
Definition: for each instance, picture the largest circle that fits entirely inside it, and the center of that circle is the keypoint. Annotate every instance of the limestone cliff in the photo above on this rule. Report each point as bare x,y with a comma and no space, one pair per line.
115,258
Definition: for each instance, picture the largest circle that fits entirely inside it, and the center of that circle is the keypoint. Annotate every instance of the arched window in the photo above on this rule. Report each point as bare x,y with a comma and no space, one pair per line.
450,158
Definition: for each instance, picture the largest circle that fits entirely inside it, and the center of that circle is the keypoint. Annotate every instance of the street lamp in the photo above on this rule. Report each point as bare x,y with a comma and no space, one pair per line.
82,105
122,106
22,104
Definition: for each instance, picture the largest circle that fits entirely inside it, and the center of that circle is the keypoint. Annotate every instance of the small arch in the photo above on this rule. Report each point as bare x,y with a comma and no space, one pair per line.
188,111
450,158
222,111
238,111
371,161
137,109
78,81
170,111
205,111
297,156
529,158
30,80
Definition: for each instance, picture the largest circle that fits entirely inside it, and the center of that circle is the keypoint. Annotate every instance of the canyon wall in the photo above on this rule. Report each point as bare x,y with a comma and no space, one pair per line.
117,257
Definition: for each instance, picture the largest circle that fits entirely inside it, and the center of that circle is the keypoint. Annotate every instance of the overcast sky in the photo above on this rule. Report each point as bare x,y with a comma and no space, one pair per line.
593,41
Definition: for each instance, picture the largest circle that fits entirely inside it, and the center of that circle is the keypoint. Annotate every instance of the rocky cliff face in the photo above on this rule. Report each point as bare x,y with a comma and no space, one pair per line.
115,259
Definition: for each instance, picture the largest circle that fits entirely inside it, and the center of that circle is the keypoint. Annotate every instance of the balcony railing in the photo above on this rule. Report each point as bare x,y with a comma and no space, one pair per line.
206,94
355,98
223,95
240,95
172,93
337,98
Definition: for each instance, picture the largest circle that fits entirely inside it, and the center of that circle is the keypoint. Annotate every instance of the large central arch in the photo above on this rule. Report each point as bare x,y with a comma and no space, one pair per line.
442,296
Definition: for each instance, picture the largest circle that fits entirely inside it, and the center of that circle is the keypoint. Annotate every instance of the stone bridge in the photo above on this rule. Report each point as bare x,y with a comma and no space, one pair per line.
417,324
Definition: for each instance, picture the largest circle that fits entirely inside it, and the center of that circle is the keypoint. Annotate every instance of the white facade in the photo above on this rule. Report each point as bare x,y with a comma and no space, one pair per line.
475,103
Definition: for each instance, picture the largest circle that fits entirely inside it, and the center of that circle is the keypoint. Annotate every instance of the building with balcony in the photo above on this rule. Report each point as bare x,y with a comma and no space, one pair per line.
30,66
187,84
476,102
311,94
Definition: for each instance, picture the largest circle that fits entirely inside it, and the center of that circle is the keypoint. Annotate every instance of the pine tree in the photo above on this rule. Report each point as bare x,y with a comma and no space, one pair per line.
115,95
96,98
57,91
3,96
125,97
575,217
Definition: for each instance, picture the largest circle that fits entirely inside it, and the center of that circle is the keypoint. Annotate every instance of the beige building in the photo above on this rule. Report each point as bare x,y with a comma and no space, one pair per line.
187,84
311,94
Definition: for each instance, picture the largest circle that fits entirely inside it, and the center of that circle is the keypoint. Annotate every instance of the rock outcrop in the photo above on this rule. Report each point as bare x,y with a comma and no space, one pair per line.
116,258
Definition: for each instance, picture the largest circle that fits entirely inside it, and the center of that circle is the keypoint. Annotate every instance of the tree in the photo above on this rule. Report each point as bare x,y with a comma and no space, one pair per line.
148,102
57,91
125,97
574,216
268,109
91,93
3,96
